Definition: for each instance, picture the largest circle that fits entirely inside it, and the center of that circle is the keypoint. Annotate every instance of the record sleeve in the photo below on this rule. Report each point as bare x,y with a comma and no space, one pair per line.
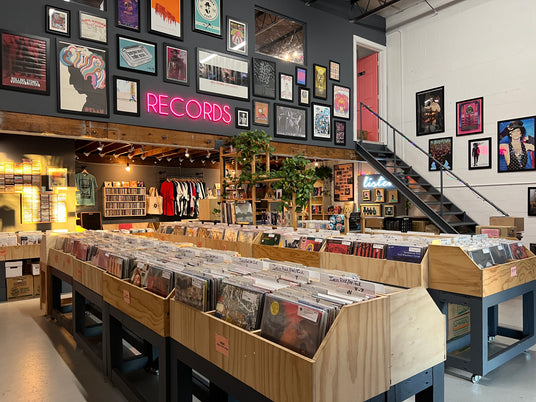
518,251
240,306
339,246
139,275
498,254
246,236
191,290
271,239
481,257
411,254
309,243
159,281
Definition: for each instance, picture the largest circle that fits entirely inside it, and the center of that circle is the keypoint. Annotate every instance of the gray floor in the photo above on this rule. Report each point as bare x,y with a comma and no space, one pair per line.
40,362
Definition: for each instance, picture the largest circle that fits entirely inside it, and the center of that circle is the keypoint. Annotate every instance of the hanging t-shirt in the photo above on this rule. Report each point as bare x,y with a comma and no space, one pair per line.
86,185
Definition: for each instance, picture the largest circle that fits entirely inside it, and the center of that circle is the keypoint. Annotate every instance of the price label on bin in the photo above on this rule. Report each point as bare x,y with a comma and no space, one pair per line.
126,296
513,271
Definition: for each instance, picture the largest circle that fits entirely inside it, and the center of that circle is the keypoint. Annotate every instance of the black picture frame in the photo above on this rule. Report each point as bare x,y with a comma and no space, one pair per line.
342,101
166,25
517,130
210,21
94,26
127,15
264,78
237,36
339,133
286,87
321,121
301,76
261,113
389,210
176,70
430,109
242,117
470,116
136,55
441,150
126,96
58,21
531,201
304,96
479,153
290,122
334,71
320,80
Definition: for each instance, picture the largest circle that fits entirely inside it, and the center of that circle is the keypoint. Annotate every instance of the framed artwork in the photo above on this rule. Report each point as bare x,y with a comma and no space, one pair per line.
82,79
371,209
237,36
25,62
365,195
222,74
479,153
301,76
93,28
126,96
57,177
286,86
341,102
58,21
470,116
339,128
392,196
165,17
99,4
321,82
321,122
261,113
128,14
441,150
430,111
135,55
334,70
242,118
515,139
388,210
207,17
379,195
531,204
263,78
305,96
343,182
175,64
290,122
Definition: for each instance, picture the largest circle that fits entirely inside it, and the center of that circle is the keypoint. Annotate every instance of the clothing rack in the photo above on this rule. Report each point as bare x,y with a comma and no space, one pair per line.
197,179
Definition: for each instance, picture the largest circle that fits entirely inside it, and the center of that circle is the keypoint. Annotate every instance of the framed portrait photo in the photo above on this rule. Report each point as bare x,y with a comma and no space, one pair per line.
286,87
388,210
515,149
531,203
430,111
242,118
379,195
264,78
93,28
58,21
470,116
339,130
128,14
207,17
261,113
365,195
479,153
237,36
392,196
135,55
165,18
175,64
304,96
82,90
321,122
334,70
341,102
441,150
320,89
290,122
25,63
301,76
126,96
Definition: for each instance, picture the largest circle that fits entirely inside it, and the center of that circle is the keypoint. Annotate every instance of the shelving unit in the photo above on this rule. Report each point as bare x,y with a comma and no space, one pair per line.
124,201
316,205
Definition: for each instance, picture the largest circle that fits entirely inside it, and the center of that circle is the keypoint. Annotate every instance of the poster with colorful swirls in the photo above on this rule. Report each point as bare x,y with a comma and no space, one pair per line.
341,102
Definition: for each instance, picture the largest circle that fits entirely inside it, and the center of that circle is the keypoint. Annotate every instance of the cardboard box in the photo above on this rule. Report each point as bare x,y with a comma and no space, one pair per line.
37,285
374,223
13,269
497,231
21,286
518,222
35,269
459,326
419,226
456,310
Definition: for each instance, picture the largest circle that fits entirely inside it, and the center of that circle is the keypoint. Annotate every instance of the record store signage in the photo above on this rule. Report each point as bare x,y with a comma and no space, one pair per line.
373,182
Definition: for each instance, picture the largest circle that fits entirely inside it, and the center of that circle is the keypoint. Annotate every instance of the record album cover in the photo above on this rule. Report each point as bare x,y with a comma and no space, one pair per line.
240,306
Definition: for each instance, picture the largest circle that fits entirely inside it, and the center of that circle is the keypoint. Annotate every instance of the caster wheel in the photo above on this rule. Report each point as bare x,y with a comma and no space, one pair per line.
475,378
491,339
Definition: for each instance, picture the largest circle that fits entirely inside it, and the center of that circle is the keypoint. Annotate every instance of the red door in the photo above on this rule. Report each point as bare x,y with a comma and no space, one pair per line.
367,92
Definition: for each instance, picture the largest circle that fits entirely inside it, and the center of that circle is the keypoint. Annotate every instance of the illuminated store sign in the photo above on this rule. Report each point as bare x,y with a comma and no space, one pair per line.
381,182
187,108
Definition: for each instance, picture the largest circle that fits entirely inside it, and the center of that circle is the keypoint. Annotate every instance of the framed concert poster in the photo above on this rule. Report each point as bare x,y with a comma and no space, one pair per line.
301,76
470,116
261,113
339,128
286,87
341,102
165,17
441,150
304,96
264,78
237,36
321,122
126,96
320,89
334,70
515,150
430,111
128,14
207,17
175,64
135,55
290,122
58,21
479,153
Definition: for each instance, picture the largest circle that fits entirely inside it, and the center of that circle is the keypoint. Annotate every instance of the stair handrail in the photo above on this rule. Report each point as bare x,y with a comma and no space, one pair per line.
442,167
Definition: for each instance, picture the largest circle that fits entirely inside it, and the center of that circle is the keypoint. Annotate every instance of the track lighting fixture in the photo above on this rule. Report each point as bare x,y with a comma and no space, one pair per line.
100,147
86,153
132,148
102,155
116,156
208,154
213,161
187,154
180,160
169,158
130,156
203,161
158,158
127,168
143,157
191,160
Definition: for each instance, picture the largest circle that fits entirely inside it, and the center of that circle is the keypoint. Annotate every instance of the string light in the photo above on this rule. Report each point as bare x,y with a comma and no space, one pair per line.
187,154
127,168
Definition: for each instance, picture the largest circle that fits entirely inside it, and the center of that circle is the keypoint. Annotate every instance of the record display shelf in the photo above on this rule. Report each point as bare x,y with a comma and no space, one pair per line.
308,258
20,252
88,275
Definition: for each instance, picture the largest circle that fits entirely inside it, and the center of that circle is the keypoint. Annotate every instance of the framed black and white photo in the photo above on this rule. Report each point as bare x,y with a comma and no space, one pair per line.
321,122
237,36
242,118
290,122
304,96
165,17
175,64
301,76
479,153
136,55
58,21
93,28
126,96
264,78
286,87
339,129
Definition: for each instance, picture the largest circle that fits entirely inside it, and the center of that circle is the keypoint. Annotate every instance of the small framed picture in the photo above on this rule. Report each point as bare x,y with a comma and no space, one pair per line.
165,18
135,55
392,196
57,177
242,118
126,96
334,70
479,152
305,96
371,209
470,116
207,17
175,64
531,205
321,82
341,102
237,36
128,14
379,195
430,111
321,122
286,85
365,195
441,150
58,21
261,113
388,210
93,28
339,128
290,122
264,78
301,76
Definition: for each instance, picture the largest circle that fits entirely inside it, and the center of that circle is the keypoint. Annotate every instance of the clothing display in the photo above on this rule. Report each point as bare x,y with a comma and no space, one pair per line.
181,197
86,185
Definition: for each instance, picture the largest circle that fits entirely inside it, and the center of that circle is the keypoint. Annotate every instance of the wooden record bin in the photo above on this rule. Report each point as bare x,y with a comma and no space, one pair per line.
308,258
88,275
452,270
19,252
370,346
61,261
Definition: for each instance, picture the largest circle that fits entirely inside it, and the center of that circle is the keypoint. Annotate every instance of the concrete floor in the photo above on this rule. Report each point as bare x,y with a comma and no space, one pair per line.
40,362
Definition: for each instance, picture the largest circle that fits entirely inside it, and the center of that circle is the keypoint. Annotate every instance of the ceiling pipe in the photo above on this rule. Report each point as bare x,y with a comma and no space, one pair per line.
355,20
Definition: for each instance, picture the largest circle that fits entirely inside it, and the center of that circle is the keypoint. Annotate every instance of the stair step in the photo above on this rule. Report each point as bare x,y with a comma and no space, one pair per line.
438,203
427,192
457,224
454,213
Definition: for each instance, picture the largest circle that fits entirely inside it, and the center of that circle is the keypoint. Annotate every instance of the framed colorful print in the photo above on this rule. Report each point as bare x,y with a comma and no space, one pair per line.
222,74
126,96
388,210
339,128
470,116
334,70
365,195
516,144
93,28
441,150
57,177
264,78
82,79
207,17
379,195
128,14
261,113
341,102
321,122
531,203
58,21
286,87
175,64
301,76
165,17
237,36
290,122
242,118
304,96
135,55
479,152
25,62
321,82
392,196
430,111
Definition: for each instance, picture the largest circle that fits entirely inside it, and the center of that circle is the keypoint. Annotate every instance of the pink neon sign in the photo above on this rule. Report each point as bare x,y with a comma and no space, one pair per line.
179,107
